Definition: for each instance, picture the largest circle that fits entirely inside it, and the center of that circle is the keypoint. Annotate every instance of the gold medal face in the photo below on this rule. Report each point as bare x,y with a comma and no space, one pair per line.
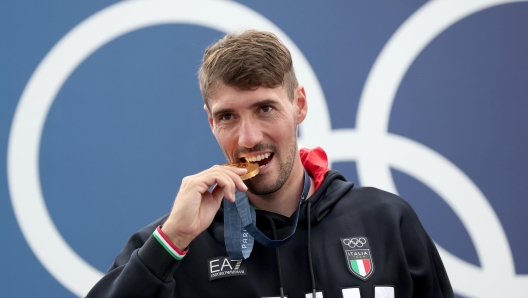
252,169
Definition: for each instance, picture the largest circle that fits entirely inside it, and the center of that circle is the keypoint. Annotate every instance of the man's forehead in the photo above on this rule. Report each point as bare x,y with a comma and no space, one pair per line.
225,96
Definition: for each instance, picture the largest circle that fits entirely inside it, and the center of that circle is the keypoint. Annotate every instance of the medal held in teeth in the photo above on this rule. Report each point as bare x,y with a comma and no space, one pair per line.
252,169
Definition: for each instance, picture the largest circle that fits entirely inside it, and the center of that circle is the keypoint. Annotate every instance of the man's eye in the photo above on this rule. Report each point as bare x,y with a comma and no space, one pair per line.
226,117
266,109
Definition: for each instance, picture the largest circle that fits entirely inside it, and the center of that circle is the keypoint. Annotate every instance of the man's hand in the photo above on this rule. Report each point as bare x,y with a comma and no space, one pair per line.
195,206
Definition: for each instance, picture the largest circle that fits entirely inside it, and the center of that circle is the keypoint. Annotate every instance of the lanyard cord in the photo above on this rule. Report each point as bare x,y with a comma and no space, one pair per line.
240,228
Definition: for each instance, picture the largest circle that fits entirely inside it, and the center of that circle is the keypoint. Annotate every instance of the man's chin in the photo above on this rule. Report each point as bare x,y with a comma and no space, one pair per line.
258,186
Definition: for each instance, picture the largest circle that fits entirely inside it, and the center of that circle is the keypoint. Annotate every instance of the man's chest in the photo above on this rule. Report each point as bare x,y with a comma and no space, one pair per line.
344,263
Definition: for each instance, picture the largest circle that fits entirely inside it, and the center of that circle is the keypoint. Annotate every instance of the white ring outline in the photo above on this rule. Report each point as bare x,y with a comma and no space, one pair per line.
24,140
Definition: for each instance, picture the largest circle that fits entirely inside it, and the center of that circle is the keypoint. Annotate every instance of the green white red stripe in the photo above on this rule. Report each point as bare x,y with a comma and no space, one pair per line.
167,244
361,266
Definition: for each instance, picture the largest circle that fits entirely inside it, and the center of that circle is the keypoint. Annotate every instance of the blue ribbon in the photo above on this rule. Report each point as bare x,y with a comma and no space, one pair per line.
240,228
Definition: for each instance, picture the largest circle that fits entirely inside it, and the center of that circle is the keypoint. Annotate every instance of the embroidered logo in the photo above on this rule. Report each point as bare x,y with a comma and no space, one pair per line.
358,256
221,267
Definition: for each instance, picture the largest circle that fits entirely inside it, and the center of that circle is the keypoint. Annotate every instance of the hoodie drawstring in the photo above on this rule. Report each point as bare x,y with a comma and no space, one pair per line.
277,256
310,250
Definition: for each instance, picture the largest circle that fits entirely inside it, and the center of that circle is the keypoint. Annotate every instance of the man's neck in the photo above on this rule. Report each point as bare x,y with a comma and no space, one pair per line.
285,200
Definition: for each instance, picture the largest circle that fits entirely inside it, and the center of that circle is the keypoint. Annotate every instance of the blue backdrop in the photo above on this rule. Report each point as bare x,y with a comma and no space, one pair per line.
426,99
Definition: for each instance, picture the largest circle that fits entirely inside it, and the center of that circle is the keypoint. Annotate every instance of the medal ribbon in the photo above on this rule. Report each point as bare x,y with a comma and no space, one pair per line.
240,228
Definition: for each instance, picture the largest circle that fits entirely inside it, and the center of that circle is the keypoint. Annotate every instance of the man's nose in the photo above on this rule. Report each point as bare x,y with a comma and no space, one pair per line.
249,134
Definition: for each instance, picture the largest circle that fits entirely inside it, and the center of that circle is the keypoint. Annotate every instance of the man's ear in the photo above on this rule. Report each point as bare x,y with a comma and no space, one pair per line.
301,104
209,117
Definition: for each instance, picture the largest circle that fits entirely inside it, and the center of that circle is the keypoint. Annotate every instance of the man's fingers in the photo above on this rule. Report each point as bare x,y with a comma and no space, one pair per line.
227,181
236,177
228,178
218,193
225,177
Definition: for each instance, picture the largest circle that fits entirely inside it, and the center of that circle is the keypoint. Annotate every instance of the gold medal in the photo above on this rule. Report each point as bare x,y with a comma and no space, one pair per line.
252,169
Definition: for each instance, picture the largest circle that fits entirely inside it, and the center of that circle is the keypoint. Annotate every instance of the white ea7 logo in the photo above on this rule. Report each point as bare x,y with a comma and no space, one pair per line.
221,267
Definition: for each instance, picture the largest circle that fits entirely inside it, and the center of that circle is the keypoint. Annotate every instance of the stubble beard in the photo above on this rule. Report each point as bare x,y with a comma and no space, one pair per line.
285,168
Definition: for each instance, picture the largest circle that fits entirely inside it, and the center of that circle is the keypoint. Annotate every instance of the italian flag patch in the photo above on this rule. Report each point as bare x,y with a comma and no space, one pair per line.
361,266
358,256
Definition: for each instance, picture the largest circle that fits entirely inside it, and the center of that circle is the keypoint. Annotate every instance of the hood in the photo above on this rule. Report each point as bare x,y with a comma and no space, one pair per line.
330,186
326,196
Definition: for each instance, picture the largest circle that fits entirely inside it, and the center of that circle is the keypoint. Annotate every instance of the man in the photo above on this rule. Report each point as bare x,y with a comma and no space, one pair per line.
330,239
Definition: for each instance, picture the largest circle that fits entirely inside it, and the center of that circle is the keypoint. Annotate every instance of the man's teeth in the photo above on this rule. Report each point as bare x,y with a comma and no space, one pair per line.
258,157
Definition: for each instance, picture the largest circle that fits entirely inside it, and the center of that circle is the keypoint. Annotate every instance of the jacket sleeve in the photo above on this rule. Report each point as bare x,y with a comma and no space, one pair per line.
142,269
428,274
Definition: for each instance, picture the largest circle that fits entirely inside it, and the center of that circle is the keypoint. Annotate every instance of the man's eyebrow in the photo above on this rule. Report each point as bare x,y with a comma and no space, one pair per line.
222,111
263,102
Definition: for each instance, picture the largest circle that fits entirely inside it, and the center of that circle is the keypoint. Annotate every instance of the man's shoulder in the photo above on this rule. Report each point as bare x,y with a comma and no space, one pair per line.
374,200
336,185
369,193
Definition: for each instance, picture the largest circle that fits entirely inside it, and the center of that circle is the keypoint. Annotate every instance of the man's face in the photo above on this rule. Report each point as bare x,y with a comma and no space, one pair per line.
258,126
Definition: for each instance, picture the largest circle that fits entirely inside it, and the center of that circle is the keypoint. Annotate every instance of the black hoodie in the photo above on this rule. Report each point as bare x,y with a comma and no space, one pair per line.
348,224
